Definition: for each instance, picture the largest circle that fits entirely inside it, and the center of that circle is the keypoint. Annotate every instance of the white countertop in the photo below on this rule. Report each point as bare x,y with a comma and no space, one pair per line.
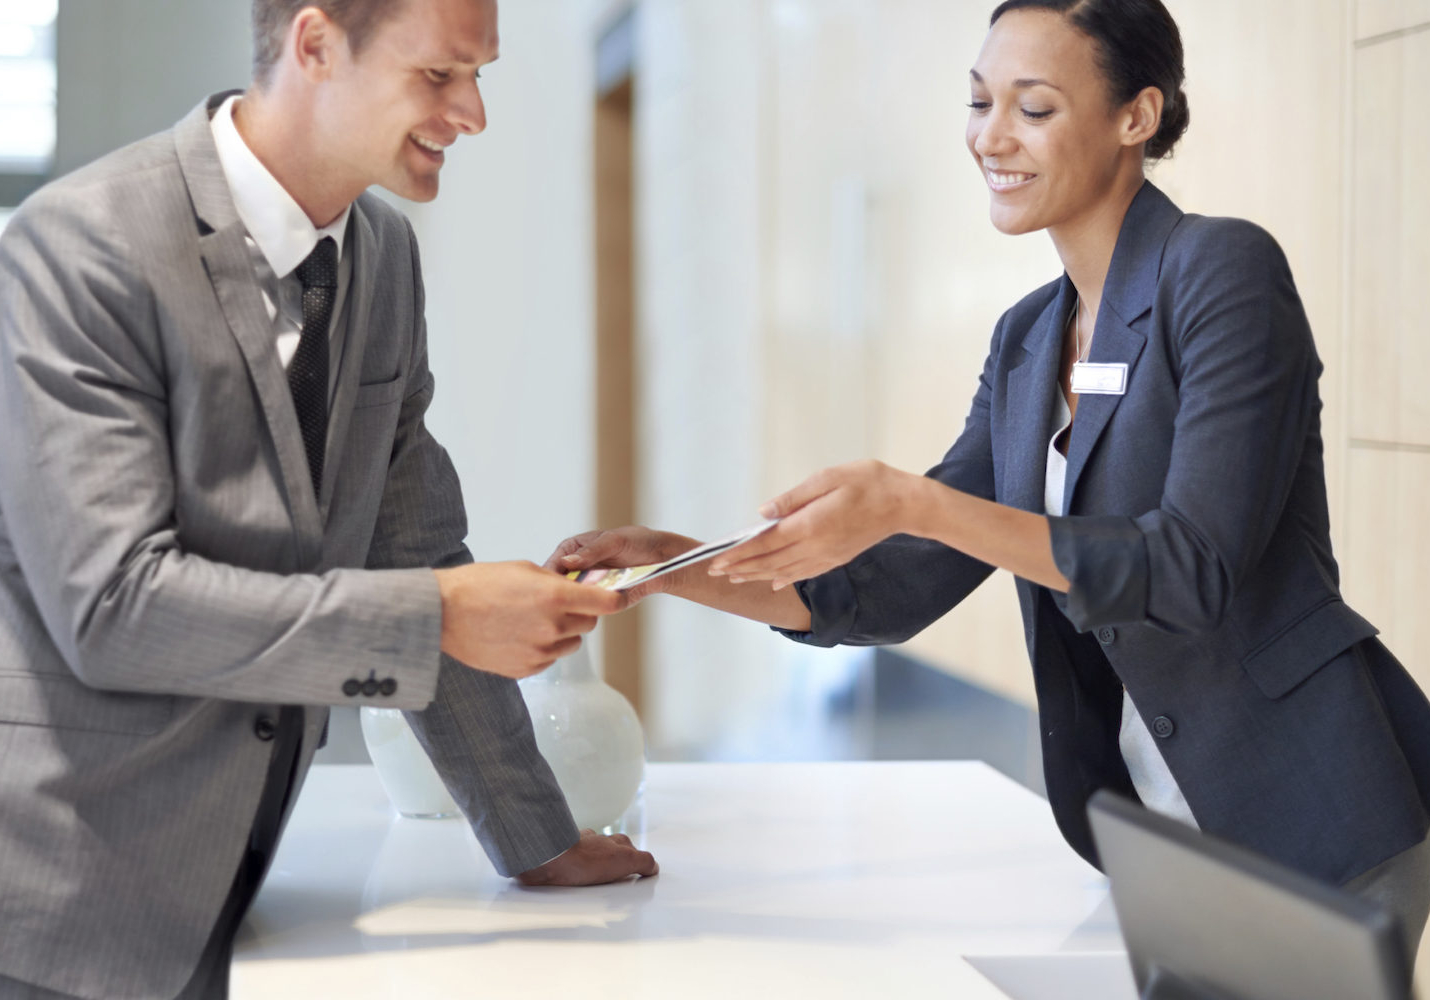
777,880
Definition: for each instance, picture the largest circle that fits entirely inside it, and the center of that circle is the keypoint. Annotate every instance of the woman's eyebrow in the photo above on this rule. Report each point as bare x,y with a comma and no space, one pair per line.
1022,84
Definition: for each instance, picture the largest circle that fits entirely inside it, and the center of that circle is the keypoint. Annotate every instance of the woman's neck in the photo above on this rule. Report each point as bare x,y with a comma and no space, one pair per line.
1085,244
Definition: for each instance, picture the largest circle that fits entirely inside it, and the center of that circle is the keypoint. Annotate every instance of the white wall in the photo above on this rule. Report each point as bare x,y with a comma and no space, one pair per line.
506,253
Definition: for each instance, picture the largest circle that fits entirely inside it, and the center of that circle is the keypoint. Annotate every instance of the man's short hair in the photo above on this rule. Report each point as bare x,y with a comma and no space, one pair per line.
359,19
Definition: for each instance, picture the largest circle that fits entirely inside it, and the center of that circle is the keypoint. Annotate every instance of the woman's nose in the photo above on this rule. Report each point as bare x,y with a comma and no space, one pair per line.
993,136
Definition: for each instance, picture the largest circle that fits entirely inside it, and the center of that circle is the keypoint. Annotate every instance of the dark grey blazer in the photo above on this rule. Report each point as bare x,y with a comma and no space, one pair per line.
1197,543
168,579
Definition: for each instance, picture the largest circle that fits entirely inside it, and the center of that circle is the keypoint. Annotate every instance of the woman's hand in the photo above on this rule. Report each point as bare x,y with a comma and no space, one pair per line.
621,547
827,520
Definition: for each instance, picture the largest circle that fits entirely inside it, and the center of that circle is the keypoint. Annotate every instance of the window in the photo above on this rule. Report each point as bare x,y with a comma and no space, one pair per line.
27,96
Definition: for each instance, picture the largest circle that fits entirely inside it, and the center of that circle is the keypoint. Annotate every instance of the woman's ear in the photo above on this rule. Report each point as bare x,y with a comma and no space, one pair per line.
1142,117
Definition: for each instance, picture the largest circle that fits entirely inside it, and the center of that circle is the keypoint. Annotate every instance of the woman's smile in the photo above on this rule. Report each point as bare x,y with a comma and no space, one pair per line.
1007,181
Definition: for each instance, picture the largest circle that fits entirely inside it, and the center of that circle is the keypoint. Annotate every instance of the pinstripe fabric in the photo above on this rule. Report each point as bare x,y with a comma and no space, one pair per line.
167,575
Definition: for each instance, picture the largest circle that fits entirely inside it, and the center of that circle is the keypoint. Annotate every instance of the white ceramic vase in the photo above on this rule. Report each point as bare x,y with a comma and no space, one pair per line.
403,767
590,736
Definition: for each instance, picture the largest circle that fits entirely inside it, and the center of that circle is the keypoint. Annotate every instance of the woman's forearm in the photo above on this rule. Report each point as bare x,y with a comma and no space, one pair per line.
1016,540
780,608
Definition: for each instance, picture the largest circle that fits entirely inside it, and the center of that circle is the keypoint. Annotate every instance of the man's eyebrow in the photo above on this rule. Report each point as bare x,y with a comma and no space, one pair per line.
1022,84
466,58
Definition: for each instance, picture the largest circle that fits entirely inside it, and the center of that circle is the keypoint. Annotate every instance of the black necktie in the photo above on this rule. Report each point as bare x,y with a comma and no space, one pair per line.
308,371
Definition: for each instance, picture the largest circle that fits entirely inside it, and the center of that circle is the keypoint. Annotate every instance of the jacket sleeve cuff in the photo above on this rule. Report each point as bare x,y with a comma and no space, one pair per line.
1105,562
832,609
397,615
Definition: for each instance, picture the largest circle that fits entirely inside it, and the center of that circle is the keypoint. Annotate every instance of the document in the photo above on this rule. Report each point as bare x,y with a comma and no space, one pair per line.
633,576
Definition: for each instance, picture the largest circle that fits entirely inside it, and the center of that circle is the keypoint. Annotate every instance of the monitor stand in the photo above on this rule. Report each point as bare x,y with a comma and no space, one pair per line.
1165,985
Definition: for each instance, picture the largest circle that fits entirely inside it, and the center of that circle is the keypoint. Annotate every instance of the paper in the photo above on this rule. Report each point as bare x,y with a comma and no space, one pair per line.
633,576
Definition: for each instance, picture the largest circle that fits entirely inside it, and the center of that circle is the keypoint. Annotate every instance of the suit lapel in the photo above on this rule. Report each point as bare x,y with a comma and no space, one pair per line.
1127,296
225,255
1114,342
363,246
1030,401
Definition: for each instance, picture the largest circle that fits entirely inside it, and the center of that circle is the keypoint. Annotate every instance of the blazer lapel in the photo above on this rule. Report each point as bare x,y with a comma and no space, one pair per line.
1113,342
224,251
1030,404
363,247
1127,296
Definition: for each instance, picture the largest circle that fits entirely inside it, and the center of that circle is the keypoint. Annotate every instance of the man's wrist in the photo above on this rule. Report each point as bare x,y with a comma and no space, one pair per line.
555,857
446,581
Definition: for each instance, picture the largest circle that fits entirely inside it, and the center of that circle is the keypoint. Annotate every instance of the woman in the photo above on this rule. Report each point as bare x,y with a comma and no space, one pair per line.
1143,453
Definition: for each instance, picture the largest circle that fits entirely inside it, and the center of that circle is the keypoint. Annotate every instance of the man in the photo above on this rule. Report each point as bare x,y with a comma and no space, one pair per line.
220,510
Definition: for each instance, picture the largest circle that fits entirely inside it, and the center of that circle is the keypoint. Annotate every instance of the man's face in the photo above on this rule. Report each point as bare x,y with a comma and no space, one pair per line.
409,94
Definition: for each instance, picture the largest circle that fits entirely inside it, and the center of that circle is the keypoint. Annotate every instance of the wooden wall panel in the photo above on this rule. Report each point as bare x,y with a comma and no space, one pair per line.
1387,349
1380,17
1385,566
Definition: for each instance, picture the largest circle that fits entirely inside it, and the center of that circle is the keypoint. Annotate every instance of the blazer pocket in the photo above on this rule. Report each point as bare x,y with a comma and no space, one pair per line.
379,393
1311,641
56,701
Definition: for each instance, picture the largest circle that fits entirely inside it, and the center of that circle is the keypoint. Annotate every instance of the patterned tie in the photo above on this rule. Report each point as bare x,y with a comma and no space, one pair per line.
308,371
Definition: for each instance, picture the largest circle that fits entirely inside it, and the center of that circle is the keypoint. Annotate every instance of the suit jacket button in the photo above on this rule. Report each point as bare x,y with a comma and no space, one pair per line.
388,687
370,688
265,728
1107,635
352,687
1163,727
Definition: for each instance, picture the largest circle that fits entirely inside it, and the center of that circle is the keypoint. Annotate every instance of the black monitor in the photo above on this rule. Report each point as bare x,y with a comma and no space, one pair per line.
1207,920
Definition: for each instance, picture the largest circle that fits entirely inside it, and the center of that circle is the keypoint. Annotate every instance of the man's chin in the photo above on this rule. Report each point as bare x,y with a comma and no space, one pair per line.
413,189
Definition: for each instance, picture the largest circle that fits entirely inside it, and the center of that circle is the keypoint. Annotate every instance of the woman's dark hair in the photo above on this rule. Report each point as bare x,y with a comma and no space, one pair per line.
1138,46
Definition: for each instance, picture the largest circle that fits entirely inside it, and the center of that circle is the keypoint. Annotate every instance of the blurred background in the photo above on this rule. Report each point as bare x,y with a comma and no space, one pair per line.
706,247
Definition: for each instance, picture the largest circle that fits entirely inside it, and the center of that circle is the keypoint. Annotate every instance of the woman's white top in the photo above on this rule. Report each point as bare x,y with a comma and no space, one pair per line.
1150,775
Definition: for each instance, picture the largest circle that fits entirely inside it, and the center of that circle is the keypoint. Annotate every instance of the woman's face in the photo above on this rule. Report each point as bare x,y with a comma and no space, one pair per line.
1040,125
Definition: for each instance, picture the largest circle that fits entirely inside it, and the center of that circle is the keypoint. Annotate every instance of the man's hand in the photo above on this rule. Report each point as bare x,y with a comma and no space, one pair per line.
594,860
621,547
516,619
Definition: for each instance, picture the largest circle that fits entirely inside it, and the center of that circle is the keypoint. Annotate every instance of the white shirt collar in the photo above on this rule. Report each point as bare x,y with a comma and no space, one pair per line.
284,233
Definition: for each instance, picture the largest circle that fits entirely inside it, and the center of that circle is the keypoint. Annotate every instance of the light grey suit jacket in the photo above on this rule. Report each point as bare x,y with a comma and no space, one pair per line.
167,578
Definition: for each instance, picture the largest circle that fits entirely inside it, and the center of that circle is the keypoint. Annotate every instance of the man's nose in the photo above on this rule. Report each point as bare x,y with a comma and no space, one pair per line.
468,112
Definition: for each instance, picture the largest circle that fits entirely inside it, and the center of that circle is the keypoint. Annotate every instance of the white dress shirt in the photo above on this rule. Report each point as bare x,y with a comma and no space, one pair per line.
280,237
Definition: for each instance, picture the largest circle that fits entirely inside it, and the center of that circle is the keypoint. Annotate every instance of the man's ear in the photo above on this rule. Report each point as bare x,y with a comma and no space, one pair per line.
313,41
1142,117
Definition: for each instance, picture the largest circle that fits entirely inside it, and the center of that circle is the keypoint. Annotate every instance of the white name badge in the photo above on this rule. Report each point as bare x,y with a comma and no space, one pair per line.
1100,380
